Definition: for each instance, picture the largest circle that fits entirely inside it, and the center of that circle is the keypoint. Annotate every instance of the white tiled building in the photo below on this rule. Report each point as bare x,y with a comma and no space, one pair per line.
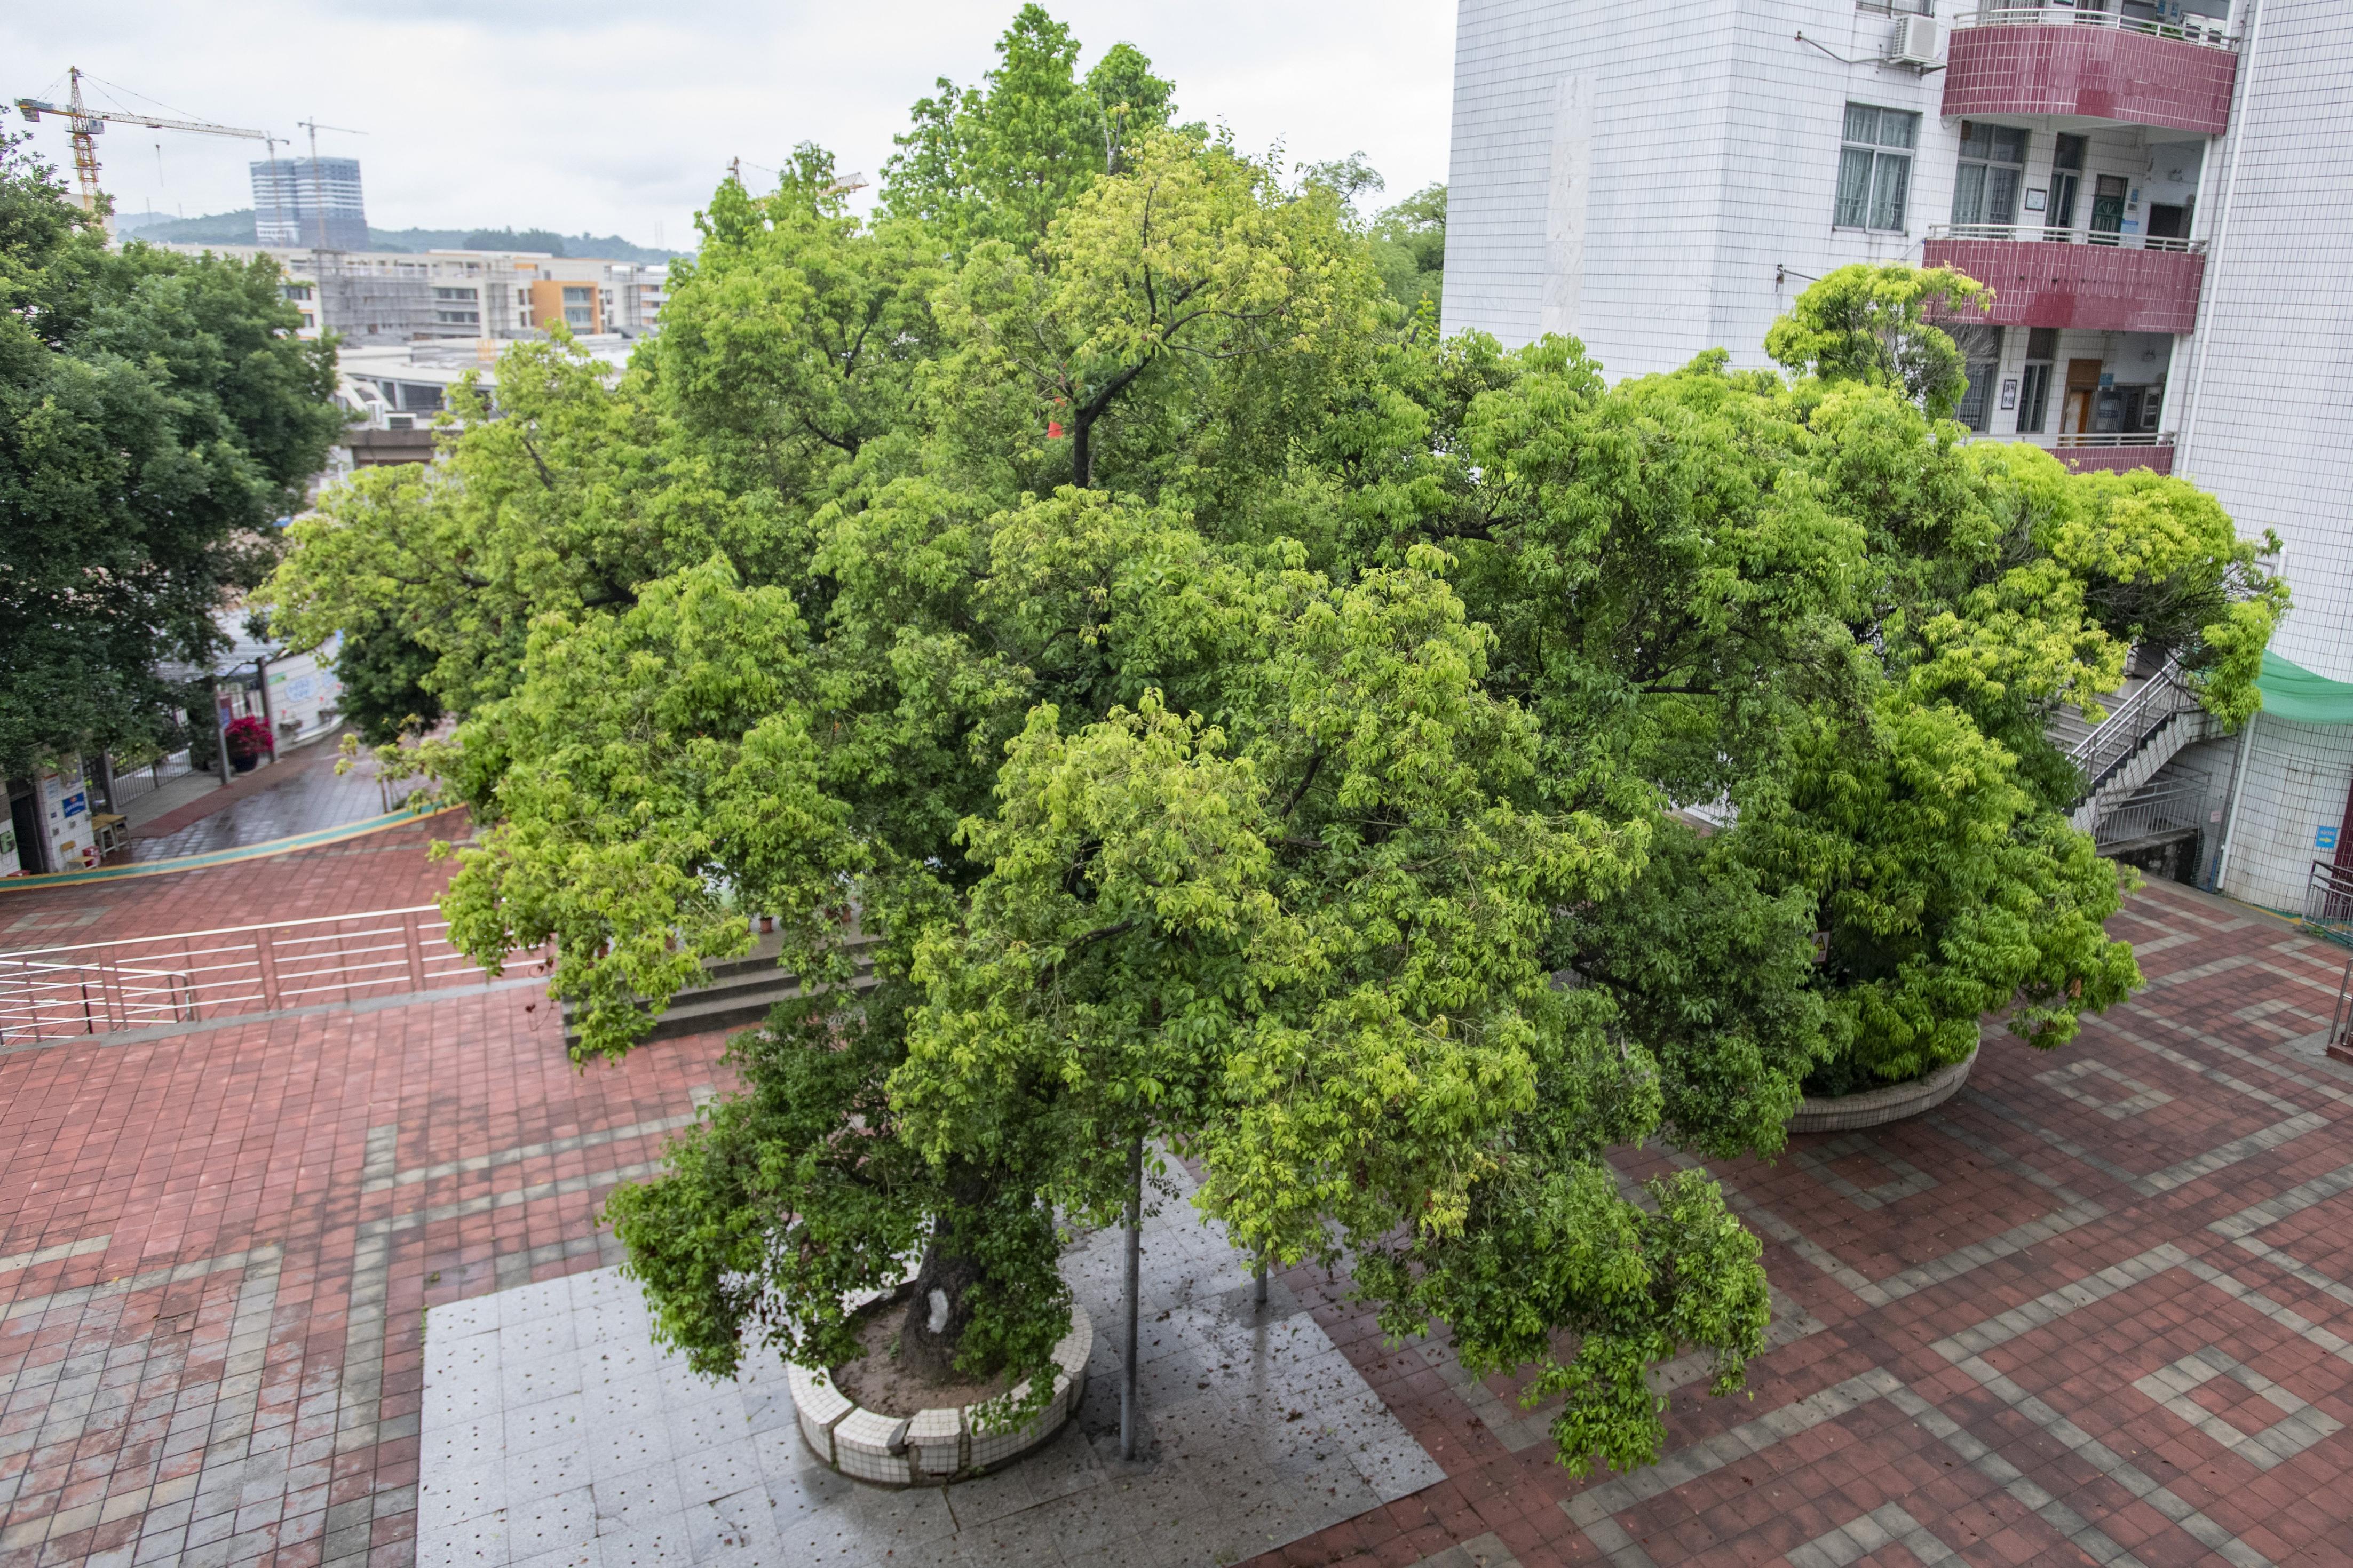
2154,188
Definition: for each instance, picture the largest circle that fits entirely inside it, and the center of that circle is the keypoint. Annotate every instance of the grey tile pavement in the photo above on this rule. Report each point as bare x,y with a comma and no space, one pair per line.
311,796
556,1433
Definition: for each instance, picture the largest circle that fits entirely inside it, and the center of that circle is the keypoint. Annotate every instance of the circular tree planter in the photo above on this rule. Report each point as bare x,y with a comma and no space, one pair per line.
933,1446
1875,1107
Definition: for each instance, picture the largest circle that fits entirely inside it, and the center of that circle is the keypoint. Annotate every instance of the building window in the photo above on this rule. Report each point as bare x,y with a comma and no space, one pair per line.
575,296
459,318
1981,354
1875,167
1993,163
2034,380
578,316
456,296
2066,180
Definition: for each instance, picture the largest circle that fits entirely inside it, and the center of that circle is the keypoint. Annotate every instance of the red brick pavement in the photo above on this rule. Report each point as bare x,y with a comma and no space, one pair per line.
214,1248
2100,1192
216,1245
378,871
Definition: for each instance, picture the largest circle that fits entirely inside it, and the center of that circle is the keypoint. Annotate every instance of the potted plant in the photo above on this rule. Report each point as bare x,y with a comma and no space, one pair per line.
247,738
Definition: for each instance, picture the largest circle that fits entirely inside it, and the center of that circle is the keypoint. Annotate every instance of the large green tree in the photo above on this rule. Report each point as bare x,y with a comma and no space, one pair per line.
158,417
1001,160
1165,694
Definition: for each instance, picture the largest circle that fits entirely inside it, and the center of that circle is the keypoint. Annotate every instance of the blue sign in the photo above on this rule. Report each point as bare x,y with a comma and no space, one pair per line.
2325,839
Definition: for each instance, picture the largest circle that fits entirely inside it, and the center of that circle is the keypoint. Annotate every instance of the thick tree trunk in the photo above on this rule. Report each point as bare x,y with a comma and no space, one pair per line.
937,1315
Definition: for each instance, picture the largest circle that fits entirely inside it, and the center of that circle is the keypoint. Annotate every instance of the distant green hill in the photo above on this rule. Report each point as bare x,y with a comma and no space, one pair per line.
218,228
236,228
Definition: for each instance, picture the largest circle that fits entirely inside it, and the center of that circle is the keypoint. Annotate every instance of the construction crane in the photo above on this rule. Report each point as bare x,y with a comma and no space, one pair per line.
88,122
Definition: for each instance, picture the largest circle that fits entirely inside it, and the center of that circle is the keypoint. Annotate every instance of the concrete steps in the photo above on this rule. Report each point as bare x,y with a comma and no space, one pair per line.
737,993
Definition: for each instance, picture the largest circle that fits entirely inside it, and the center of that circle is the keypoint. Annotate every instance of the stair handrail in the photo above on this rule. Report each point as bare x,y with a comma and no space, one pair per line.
2164,696
2328,902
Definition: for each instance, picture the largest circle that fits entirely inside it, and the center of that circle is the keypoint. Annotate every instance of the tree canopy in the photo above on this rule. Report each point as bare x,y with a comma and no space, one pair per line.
1162,691
157,419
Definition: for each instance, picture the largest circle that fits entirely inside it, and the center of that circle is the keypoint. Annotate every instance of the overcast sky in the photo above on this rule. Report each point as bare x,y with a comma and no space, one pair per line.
613,118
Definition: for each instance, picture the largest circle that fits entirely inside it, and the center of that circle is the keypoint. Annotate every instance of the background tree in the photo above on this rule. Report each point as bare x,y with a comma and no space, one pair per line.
158,417
1408,239
1871,322
382,670
1409,249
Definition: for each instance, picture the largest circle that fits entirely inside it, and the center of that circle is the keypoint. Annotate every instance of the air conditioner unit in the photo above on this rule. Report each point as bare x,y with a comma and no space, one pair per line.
1913,43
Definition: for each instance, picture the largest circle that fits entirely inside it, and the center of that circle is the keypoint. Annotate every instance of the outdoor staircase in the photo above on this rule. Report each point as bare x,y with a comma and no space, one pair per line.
2152,718
737,993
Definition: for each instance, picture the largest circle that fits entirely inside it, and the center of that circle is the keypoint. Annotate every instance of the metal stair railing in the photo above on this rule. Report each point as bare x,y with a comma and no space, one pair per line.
2328,902
2101,755
89,988
2328,914
2150,812
89,999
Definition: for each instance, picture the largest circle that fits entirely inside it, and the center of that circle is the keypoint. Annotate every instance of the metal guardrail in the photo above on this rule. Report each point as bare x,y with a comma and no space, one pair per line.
2037,234
91,988
2206,31
2151,813
2099,754
2328,902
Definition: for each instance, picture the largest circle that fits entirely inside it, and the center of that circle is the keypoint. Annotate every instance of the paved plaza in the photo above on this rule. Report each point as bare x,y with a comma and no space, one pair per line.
2095,1309
555,1435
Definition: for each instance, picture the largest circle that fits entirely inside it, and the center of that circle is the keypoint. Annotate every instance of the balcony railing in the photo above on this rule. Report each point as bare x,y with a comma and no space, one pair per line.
2035,233
2209,32
2111,439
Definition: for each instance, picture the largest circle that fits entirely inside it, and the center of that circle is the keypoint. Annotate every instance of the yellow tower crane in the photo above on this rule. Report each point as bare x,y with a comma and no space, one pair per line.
88,122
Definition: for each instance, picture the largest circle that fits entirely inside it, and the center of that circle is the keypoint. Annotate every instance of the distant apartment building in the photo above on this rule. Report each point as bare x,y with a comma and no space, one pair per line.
310,201
2149,186
396,297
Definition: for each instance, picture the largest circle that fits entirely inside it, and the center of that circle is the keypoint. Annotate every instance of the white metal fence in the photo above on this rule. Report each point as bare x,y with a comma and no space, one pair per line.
2043,234
92,988
2114,438
2211,32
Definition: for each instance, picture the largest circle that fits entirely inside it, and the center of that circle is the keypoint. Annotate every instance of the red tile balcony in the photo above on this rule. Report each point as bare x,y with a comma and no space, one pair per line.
2094,64
2043,277
2090,454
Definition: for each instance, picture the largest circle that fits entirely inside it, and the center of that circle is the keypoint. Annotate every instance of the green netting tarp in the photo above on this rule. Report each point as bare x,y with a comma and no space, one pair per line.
2292,691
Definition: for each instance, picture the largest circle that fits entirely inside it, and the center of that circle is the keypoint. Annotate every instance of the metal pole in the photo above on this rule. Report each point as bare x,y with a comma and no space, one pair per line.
220,736
2238,792
268,718
1127,1388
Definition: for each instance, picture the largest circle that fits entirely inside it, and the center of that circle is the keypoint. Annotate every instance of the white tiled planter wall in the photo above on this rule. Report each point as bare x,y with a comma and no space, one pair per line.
937,1444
